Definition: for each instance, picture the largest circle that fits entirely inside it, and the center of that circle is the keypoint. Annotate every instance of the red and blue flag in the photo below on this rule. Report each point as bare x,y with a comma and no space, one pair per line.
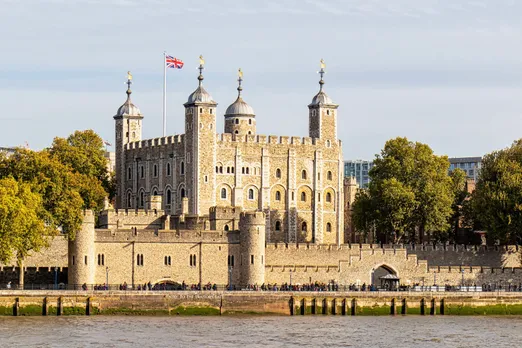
174,63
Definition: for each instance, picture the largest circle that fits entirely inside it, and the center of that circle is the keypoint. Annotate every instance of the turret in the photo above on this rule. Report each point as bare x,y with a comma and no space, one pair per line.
239,117
81,253
252,246
323,114
200,148
128,126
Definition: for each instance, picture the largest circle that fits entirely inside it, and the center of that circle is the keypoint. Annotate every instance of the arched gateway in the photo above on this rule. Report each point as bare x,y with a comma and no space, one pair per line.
385,277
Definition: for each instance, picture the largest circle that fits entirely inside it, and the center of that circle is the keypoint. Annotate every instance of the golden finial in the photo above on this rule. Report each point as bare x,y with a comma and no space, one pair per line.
323,65
201,60
240,73
129,75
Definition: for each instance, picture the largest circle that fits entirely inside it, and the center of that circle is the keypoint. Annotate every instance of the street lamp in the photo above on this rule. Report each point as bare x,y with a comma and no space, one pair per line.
107,278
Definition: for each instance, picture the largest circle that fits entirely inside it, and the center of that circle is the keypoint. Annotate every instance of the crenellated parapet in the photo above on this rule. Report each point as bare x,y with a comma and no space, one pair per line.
139,218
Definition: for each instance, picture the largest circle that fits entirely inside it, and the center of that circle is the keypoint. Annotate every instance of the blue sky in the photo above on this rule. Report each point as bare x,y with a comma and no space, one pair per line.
446,73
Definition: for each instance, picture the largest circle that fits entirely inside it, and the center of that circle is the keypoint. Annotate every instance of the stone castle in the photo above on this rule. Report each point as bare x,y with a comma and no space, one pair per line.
241,208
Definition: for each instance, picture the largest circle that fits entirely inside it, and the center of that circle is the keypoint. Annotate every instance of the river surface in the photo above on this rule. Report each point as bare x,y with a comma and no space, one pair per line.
262,331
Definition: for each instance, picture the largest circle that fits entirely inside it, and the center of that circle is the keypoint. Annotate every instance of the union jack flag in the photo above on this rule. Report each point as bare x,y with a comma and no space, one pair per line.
174,63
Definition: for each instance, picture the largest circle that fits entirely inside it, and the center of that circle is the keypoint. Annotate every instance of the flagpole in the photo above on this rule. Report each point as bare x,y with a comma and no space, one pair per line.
164,94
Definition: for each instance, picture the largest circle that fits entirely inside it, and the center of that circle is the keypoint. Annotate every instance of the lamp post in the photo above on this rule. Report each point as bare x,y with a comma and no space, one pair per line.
55,278
230,278
107,278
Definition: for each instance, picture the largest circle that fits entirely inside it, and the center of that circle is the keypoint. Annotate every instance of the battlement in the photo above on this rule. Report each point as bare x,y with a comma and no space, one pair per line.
132,213
168,140
266,139
252,218
165,236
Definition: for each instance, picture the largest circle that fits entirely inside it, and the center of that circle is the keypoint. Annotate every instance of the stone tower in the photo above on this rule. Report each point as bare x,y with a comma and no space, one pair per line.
323,114
252,246
239,116
81,253
128,120
200,148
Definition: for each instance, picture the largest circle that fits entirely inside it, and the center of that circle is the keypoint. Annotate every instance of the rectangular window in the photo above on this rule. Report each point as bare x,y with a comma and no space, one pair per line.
252,259
85,259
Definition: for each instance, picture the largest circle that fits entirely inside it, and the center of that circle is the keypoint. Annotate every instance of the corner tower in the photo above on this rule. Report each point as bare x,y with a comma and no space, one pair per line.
323,114
239,117
128,126
200,148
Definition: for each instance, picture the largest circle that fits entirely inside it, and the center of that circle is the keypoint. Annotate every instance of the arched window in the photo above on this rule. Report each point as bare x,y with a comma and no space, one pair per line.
142,172
228,170
182,193
142,199
278,196
329,175
155,170
154,193
237,120
129,200
227,228
232,170
328,227
250,121
236,132
129,173
221,169
168,169
278,225
250,194
249,133
247,170
304,227
303,197
223,193
328,112
182,168
303,174
169,197
278,173
328,197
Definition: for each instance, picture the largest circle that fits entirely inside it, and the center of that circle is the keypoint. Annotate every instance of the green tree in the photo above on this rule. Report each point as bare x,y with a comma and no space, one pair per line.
22,227
460,197
497,199
410,191
84,153
61,200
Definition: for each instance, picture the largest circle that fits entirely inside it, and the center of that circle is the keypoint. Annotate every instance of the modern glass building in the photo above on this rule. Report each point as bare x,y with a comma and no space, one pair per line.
358,169
470,165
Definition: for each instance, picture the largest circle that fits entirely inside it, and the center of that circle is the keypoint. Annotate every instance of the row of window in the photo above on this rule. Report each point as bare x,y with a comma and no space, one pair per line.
251,195
155,170
237,121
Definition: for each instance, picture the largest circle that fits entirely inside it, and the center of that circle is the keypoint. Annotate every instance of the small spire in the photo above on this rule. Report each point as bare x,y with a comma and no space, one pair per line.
201,67
129,83
322,72
239,80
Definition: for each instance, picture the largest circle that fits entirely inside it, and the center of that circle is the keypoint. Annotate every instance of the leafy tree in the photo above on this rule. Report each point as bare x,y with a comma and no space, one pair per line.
84,152
54,182
460,197
21,225
410,191
497,199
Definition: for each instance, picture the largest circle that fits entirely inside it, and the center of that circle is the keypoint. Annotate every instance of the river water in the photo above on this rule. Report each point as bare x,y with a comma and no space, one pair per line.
261,331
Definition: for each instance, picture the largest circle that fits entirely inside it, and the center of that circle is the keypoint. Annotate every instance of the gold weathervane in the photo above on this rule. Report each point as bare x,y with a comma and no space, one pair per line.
240,73
201,60
129,75
323,65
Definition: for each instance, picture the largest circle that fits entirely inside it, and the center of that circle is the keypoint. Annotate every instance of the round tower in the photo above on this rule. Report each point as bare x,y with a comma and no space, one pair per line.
239,116
252,246
81,253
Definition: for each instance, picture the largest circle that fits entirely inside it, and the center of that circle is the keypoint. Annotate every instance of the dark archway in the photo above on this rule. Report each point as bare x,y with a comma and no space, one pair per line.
384,277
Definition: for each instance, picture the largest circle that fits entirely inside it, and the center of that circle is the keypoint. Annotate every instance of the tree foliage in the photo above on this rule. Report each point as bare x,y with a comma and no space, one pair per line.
409,194
497,199
22,226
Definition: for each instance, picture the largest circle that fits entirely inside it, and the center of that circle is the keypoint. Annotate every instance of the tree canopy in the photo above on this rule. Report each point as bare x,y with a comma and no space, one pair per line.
410,192
497,199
